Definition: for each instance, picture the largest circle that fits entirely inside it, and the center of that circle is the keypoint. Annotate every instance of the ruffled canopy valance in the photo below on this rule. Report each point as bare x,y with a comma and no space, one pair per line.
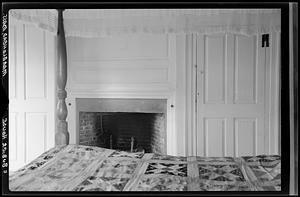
107,22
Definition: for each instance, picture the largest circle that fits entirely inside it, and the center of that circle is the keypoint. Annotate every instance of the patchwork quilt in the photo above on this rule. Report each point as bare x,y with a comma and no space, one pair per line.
87,168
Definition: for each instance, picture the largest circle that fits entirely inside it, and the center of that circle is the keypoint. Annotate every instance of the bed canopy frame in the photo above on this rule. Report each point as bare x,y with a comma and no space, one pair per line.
99,23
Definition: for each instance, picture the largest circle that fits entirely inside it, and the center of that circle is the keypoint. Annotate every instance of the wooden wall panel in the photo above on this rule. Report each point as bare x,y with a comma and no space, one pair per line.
126,66
35,76
13,134
121,76
121,62
118,47
12,62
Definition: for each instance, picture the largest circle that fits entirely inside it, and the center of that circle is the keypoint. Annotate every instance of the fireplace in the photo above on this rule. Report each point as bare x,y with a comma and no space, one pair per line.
123,124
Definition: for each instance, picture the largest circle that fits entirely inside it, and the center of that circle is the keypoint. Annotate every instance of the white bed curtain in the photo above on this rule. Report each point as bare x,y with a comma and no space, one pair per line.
108,22
43,18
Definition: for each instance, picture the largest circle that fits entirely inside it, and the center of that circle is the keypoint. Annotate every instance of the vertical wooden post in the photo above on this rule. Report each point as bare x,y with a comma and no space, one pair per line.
62,134
131,144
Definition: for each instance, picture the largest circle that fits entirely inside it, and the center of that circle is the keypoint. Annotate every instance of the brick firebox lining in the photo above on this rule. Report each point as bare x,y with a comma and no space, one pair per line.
102,128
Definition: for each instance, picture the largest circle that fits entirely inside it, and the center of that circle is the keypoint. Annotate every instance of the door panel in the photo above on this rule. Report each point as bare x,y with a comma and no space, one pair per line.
214,80
230,95
245,70
214,130
245,130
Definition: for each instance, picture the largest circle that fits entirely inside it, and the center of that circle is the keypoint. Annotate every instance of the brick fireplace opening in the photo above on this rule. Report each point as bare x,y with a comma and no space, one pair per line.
123,131
123,124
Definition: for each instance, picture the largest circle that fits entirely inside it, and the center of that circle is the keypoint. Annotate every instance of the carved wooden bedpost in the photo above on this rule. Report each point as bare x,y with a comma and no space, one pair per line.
62,134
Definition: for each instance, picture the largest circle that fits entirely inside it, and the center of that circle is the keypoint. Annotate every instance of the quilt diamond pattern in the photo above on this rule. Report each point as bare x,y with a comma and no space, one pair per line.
167,168
224,172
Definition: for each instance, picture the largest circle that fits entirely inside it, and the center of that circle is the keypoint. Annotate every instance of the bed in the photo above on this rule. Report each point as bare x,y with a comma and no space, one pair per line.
90,168
87,168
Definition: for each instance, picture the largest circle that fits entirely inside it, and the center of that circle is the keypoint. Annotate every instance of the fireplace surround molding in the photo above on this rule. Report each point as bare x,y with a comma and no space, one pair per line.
121,105
134,105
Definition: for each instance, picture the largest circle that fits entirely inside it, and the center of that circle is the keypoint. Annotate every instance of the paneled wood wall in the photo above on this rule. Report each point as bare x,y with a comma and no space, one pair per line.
125,66
31,93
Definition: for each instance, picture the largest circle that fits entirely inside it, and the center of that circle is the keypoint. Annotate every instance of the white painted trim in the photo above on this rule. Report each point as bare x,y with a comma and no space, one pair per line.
277,94
267,97
274,91
171,135
171,98
273,88
190,48
194,92
201,45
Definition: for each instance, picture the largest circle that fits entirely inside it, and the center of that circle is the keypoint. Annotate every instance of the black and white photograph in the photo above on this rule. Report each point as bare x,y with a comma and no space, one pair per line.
116,98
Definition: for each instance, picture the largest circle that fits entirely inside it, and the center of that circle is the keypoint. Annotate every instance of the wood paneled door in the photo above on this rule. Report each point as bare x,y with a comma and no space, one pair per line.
235,95
31,93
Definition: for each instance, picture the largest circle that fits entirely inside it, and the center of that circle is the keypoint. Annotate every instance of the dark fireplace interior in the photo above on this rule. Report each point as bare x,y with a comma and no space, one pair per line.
124,131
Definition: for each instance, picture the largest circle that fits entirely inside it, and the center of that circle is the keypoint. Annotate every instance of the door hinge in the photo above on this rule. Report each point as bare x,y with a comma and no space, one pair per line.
265,40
